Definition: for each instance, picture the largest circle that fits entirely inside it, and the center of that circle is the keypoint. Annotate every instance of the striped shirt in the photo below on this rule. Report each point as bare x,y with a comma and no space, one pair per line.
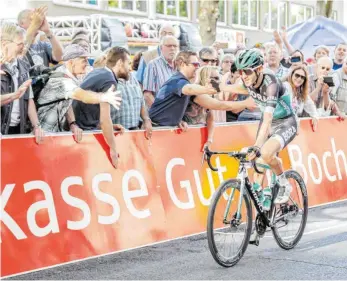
158,71
129,112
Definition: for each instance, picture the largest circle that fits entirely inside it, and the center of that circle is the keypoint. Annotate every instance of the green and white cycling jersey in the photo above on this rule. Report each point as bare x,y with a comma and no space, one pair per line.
272,96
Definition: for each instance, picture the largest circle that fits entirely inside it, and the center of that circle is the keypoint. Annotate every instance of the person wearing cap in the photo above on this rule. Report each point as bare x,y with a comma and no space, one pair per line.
55,99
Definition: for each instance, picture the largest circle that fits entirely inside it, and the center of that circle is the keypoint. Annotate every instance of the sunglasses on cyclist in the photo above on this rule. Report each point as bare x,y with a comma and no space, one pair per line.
209,60
296,75
247,71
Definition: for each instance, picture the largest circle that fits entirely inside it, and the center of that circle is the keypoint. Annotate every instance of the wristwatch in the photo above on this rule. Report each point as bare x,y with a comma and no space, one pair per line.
49,36
38,125
72,123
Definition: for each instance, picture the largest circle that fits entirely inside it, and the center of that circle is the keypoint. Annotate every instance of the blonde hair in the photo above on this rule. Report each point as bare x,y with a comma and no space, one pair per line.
204,74
9,30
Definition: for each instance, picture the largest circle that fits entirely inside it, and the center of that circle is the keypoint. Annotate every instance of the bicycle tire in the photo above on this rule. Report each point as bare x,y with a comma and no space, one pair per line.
291,174
210,237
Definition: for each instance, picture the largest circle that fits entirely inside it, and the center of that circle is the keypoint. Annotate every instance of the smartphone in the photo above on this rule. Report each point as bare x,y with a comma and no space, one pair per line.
329,81
215,85
295,59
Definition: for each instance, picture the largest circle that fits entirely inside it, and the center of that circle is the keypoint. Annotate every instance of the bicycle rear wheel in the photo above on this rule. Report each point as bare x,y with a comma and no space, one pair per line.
290,218
228,239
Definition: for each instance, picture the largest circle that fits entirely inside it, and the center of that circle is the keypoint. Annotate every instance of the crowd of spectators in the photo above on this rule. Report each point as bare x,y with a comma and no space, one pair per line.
48,88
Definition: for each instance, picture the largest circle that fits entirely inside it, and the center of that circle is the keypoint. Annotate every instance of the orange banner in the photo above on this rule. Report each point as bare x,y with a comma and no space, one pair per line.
63,201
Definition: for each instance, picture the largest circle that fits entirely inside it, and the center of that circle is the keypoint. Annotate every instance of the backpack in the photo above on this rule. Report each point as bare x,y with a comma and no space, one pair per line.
40,77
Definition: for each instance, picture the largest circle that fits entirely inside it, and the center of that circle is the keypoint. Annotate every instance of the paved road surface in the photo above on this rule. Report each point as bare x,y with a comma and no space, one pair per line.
321,254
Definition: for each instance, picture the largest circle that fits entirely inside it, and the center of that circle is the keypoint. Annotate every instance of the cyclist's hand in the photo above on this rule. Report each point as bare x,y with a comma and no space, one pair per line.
112,97
253,153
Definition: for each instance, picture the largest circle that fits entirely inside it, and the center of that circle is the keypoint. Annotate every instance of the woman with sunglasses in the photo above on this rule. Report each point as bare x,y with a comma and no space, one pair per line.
298,86
278,125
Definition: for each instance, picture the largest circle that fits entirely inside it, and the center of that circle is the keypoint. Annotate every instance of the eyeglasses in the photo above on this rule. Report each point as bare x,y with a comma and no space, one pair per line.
195,64
227,61
248,71
164,33
18,44
171,46
296,75
209,60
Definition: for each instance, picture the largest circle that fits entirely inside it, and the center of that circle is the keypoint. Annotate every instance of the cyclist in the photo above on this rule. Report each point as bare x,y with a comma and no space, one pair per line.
278,125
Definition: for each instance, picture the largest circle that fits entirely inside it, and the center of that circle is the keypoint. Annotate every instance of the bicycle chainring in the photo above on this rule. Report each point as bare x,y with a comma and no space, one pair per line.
260,225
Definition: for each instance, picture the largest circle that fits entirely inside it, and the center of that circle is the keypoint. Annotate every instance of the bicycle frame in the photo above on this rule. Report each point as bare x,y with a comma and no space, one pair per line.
245,183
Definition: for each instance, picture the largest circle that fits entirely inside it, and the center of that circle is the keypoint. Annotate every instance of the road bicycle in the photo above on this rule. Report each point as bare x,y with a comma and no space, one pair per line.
230,215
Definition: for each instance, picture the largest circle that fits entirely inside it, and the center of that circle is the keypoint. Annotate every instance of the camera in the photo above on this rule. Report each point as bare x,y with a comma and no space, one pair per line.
295,59
329,81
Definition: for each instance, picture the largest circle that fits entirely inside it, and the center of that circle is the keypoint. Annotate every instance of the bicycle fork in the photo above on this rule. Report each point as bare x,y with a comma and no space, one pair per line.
242,174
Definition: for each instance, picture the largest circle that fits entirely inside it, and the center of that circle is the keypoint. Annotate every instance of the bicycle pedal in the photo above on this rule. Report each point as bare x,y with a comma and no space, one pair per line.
255,242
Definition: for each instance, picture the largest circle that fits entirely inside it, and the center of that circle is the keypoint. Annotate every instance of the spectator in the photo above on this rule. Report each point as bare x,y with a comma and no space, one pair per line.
320,92
320,51
165,30
173,98
296,58
17,98
81,37
340,54
92,117
298,86
273,54
39,53
133,108
226,63
339,92
160,69
55,100
208,56
136,62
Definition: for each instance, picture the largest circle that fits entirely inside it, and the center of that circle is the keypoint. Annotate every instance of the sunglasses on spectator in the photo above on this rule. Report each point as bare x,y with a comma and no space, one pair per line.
296,75
195,64
209,60
247,71
171,46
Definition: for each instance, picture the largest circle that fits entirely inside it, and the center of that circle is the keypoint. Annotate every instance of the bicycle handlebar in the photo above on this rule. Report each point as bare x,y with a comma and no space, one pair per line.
236,154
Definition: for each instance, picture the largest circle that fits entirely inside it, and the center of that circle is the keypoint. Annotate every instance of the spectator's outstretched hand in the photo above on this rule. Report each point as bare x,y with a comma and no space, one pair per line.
250,104
22,89
112,97
37,17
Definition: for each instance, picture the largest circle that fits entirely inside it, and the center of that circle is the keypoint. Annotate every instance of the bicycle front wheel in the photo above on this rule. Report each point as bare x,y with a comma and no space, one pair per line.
290,218
228,233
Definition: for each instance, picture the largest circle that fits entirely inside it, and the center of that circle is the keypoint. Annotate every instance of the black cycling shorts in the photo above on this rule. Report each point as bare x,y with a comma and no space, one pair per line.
284,130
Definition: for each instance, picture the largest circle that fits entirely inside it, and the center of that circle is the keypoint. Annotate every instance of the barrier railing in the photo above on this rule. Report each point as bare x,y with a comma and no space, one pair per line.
62,201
